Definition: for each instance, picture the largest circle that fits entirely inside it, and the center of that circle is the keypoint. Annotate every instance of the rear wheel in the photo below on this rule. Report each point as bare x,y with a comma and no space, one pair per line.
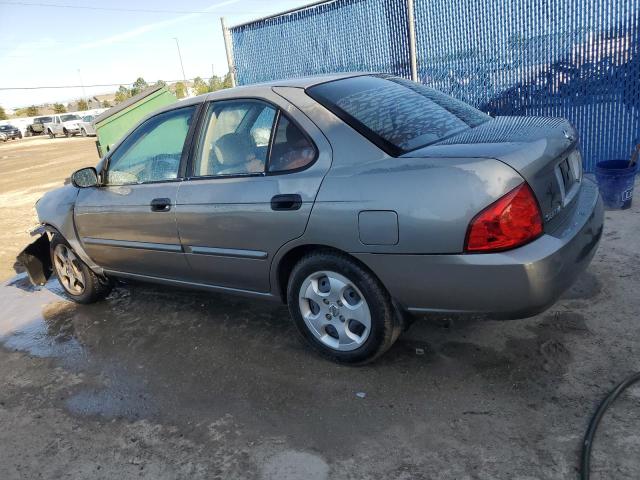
341,309
79,282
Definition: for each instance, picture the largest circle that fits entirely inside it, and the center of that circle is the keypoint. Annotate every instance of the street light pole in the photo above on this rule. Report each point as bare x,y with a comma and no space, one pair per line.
181,65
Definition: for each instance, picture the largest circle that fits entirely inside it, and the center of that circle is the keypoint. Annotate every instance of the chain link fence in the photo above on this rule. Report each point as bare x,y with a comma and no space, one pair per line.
578,59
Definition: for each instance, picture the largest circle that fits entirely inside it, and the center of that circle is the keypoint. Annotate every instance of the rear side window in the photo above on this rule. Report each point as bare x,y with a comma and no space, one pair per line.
291,149
396,114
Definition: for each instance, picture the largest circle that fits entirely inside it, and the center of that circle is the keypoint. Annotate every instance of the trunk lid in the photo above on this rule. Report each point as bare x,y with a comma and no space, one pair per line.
544,151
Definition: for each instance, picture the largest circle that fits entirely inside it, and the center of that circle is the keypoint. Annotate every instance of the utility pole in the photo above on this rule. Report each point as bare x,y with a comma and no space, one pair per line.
84,94
181,65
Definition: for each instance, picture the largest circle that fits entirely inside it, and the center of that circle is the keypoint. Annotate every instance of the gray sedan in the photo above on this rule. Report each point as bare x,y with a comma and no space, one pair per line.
357,199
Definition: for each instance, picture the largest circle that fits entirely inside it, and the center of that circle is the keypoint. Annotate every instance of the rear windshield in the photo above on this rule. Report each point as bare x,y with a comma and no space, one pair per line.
396,114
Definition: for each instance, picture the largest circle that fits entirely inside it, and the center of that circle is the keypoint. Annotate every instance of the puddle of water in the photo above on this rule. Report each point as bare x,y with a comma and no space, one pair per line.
42,323
37,320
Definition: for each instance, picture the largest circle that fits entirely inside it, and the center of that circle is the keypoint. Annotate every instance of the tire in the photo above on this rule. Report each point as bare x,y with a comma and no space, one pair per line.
51,134
66,132
20,135
78,281
351,290
83,132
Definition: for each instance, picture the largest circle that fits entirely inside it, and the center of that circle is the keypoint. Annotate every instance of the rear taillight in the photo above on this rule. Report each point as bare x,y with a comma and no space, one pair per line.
510,222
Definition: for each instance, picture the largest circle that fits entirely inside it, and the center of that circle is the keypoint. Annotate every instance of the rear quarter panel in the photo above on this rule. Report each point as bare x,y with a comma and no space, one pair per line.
434,198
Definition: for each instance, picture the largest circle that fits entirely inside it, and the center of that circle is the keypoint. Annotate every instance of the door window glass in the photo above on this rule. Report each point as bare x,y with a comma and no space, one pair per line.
235,139
291,148
152,152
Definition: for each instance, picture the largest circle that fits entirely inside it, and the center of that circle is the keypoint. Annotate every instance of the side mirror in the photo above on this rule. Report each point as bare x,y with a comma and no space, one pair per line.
85,177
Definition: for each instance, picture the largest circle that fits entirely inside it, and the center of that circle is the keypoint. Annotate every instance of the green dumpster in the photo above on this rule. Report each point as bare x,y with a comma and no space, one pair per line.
112,124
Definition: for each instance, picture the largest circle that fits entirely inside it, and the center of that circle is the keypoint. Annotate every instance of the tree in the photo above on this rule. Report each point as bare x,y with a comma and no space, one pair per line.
138,86
227,81
200,86
32,111
160,83
215,83
3,114
181,90
106,104
83,105
59,108
122,94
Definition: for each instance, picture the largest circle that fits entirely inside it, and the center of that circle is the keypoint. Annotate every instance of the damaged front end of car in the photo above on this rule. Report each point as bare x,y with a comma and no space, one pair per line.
36,257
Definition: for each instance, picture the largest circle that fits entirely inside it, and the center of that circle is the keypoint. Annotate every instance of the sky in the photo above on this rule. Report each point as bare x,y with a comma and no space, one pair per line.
85,42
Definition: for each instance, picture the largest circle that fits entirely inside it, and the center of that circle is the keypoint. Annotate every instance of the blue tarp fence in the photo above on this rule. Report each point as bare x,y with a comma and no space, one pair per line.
578,59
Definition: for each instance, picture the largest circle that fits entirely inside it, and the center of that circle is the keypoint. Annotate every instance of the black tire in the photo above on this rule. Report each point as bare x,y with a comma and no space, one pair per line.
51,134
66,132
95,287
386,323
83,132
20,135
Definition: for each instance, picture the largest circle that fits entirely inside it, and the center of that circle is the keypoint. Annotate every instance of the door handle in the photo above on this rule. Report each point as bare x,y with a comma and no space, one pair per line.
290,201
160,204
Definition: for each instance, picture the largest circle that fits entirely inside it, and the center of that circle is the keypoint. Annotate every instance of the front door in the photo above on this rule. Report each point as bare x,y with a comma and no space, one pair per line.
254,177
128,224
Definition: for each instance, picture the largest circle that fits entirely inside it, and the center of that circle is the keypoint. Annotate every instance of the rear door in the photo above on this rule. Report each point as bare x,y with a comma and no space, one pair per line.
128,224
254,177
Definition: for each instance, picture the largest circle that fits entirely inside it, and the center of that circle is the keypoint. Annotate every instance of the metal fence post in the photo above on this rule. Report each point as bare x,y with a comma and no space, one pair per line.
228,46
411,24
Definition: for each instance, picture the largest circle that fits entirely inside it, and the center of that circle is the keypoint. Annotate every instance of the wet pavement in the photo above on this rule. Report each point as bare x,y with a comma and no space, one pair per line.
156,382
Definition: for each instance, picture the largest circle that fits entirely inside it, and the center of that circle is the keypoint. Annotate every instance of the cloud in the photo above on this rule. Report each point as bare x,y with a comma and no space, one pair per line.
136,32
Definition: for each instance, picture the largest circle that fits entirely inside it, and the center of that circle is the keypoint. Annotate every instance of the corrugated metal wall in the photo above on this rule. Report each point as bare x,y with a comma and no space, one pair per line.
578,59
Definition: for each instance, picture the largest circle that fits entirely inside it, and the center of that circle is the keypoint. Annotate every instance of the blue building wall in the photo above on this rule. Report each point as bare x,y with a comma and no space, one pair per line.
569,58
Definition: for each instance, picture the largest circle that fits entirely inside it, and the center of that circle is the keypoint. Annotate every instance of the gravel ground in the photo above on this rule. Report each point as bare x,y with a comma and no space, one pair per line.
160,383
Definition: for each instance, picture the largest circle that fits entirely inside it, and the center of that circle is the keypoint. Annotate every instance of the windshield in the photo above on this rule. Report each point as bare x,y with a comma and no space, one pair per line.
396,114
66,118
6,127
42,120
88,118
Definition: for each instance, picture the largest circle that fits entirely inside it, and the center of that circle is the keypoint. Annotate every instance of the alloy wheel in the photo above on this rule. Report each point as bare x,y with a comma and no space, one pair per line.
68,269
334,310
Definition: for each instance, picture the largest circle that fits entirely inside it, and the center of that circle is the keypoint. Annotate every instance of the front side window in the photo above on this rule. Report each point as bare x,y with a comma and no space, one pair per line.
396,114
152,152
235,138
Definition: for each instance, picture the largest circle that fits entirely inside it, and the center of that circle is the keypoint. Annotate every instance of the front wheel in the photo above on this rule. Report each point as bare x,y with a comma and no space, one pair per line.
83,132
51,134
341,309
79,282
66,133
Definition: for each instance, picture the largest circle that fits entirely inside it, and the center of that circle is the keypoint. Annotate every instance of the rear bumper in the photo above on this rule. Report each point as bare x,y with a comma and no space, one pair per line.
514,284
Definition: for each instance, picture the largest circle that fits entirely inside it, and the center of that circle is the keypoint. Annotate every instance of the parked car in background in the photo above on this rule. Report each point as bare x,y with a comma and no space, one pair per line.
12,132
3,137
373,197
87,128
67,124
38,125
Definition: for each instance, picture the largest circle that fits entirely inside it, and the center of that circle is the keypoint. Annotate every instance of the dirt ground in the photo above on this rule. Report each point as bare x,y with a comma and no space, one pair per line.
159,383
28,168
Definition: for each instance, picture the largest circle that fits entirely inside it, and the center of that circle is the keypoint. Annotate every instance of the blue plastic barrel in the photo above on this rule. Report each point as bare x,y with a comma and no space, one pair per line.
615,181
